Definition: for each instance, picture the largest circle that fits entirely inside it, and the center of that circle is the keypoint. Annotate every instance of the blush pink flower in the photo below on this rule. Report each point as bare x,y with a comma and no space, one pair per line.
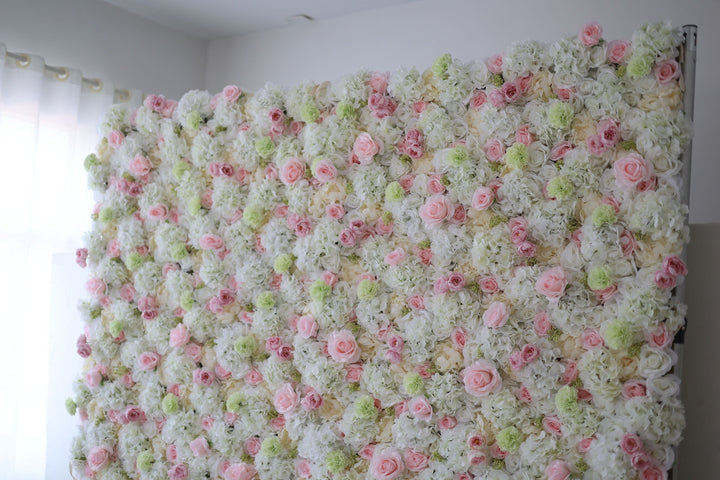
631,170
482,198
116,138
241,471
148,360
387,465
542,324
292,171
325,171
617,50
488,285
307,326
590,34
667,71
342,347
436,209
495,63
496,315
210,241
591,338
415,461
365,148
420,408
286,399
552,283
481,379
494,149
200,447
97,458
179,336
395,257
558,470
231,93
552,425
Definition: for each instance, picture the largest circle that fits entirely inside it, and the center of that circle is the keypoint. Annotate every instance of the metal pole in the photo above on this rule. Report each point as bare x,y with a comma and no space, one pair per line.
688,54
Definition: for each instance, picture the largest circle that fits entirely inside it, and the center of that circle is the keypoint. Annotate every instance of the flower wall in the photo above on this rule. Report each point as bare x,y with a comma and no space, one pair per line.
460,273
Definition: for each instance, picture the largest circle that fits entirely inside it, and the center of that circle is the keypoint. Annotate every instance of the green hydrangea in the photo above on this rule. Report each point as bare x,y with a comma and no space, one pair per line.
91,161
264,147
71,406
336,461
265,301
145,461
394,192
192,121
560,187
603,215
235,402
441,64
365,407
509,439
271,447
187,301
458,156
639,66
180,168
566,401
252,215
599,277
283,263
106,215
413,383
309,113
133,261
245,346
194,205
617,334
345,110
116,327
320,290
170,404
517,156
367,289
560,115
178,251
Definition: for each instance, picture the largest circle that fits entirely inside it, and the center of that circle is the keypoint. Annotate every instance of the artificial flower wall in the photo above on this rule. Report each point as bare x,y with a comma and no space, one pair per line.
460,273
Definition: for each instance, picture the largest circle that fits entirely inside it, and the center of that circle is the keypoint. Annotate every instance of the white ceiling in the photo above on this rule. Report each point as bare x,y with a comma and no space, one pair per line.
210,19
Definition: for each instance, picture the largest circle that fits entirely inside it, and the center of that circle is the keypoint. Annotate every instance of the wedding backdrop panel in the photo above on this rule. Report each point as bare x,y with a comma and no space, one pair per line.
465,272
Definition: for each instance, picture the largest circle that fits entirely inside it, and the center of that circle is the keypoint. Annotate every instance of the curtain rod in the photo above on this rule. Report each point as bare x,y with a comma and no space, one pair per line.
62,73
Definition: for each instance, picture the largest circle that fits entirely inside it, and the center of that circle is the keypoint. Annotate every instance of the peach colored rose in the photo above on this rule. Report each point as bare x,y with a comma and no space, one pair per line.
481,379
496,315
590,34
558,470
342,347
552,283
617,50
631,170
436,209
292,171
365,148
387,465
286,399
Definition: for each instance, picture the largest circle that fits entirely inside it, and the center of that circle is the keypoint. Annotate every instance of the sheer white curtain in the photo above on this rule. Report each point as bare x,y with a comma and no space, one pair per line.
47,126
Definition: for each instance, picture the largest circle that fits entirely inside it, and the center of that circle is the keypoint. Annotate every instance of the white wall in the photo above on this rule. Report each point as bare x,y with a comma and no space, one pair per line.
416,33
104,41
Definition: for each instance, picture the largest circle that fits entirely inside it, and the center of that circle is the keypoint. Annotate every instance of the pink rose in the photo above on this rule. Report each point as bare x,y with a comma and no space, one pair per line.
529,353
347,237
609,131
653,472
367,451
674,266
631,170
97,458
459,337
496,315
286,399
342,347
516,362
641,461
353,372
558,470
481,379
231,93
171,453
542,324
634,388
475,441
140,165
116,138
590,34
488,285
571,372
421,408
584,445
179,336
659,338
200,447
202,376
395,257
436,209
616,51
523,394
478,99
210,241
667,71
552,425
378,82
495,63
325,171
455,282
148,360
273,343
510,91
335,211
312,400
194,351
552,283
307,326
560,150
252,446
425,255
393,357
524,136
494,149
395,342
482,198
627,242
526,249
157,212
518,229
435,185
591,338
81,255
663,279
415,461
302,468
83,349
96,287
387,465
240,471
631,444
447,422
497,99
416,302
365,148
564,92
292,171
441,286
